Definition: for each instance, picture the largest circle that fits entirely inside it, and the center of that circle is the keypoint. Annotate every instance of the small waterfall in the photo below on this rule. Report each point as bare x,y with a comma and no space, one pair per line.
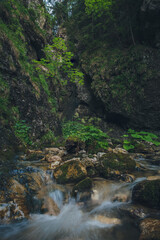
72,223
57,197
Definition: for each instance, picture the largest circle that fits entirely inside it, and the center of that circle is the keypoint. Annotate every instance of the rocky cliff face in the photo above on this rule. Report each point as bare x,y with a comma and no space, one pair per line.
127,83
25,28
121,62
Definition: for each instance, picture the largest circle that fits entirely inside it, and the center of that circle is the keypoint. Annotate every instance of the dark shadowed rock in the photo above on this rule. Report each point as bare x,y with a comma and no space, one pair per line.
147,193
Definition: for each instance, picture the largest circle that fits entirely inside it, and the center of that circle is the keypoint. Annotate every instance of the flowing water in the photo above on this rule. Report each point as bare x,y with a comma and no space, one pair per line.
99,217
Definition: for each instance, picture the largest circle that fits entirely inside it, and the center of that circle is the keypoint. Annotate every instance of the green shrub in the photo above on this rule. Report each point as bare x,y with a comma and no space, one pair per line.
57,64
91,135
21,131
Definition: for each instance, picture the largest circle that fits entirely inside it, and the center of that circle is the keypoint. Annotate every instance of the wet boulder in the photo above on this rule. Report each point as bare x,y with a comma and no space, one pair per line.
147,193
113,165
70,171
82,186
150,229
33,155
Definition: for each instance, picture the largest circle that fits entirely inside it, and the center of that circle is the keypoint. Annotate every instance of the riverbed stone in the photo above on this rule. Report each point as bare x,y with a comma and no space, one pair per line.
70,171
147,193
150,229
52,158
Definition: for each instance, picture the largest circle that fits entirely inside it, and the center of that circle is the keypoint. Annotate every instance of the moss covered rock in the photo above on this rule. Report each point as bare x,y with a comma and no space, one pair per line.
147,193
115,164
83,185
70,171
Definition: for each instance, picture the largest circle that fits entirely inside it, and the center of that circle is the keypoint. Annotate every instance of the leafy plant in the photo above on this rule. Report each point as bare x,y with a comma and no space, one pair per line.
91,135
21,131
141,136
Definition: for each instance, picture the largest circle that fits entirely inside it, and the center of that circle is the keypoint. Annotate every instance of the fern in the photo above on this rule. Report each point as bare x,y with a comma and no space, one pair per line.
141,136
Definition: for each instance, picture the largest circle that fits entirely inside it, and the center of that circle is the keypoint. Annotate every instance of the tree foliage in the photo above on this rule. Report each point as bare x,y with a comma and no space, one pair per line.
97,7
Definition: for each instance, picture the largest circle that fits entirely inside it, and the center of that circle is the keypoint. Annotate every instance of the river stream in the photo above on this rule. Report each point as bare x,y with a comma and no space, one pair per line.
97,217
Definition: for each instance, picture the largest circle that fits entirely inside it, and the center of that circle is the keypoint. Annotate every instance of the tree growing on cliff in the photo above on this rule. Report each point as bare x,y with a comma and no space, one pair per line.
57,63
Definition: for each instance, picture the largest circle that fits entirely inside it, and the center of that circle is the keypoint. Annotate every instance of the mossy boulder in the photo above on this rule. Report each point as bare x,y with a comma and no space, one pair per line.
147,193
70,171
115,164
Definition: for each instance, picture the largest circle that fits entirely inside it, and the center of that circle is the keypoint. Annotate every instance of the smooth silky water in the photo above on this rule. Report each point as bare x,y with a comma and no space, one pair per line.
99,218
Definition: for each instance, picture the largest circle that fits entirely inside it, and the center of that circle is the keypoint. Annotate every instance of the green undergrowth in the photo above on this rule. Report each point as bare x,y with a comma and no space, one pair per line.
142,136
4,95
92,136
